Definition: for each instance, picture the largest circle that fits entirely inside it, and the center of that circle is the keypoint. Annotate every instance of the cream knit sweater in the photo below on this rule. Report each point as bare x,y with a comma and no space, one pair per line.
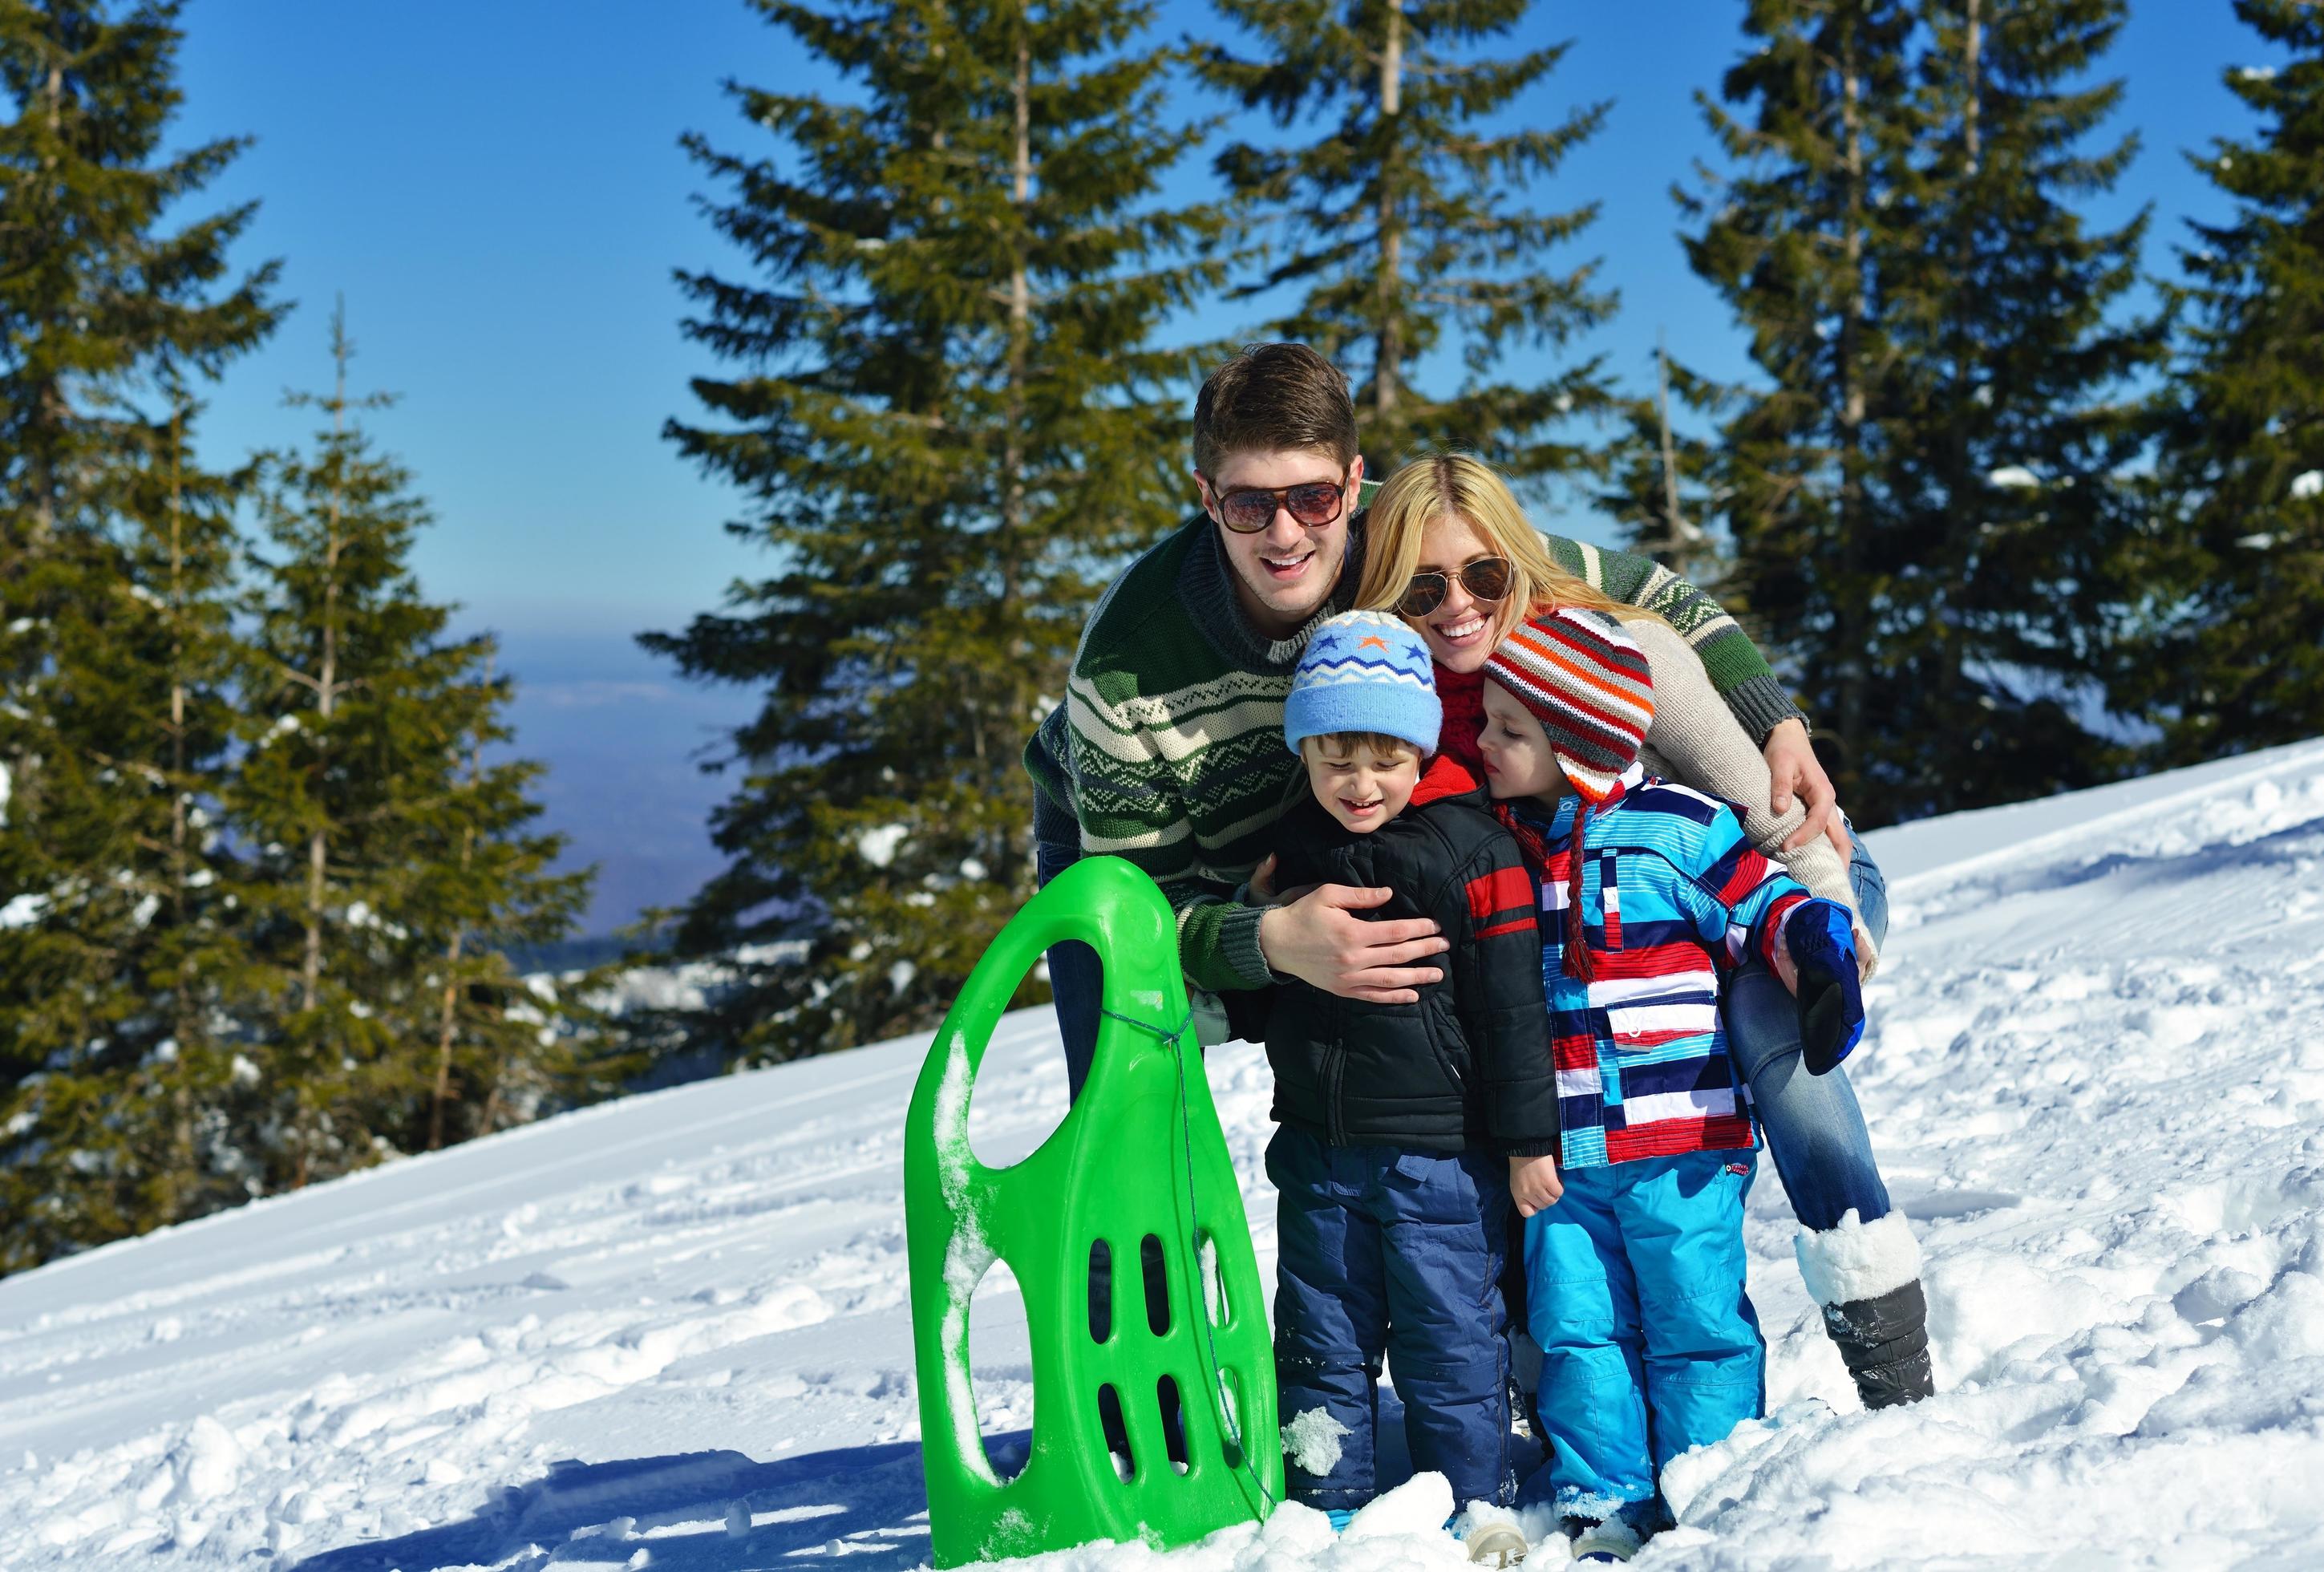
1696,742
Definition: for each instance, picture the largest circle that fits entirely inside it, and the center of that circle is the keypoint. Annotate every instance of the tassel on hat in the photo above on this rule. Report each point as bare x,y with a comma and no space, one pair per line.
1591,687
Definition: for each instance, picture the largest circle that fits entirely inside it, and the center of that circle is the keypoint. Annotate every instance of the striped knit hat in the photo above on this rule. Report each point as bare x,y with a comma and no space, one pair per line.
1588,685
1364,671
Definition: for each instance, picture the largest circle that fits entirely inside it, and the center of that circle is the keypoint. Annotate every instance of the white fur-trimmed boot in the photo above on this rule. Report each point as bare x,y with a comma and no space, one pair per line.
1867,1279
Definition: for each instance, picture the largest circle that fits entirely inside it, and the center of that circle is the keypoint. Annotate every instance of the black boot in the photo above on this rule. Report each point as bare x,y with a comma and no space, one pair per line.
1884,1343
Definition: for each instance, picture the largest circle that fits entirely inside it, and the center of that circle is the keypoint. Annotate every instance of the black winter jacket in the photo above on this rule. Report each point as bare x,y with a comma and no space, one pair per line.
1467,1066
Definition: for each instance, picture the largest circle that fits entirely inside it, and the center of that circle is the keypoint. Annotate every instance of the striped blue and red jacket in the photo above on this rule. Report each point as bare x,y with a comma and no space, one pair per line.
1672,896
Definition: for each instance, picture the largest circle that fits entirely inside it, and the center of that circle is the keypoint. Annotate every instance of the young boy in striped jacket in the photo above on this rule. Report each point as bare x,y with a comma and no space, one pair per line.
1648,892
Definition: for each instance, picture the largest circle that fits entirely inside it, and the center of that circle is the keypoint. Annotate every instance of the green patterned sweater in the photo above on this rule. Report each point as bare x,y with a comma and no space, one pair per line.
1168,748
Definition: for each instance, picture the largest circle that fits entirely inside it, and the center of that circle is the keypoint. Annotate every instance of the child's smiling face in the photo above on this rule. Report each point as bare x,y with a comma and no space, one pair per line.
1518,761
1361,782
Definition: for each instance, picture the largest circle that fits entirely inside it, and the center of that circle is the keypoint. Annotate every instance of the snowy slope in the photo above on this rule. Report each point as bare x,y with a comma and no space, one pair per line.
672,1332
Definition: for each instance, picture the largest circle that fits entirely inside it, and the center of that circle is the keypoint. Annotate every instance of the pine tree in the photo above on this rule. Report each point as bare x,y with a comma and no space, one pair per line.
116,969
1662,477
2236,658
503,1048
1926,506
114,559
1402,224
950,421
387,862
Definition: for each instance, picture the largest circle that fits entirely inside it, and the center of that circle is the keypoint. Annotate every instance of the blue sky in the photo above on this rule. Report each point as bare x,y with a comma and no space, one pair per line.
497,191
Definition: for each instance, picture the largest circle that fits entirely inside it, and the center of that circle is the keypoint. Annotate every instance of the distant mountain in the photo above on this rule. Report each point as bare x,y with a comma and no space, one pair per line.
624,739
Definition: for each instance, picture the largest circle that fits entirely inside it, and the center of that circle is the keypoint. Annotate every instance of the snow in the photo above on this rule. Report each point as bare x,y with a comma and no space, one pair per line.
2014,477
674,1331
1311,1440
2308,483
878,844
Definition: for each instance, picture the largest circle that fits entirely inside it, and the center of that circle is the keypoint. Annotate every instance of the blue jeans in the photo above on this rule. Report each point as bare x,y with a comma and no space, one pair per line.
1076,979
1816,1132
1648,1344
1382,1250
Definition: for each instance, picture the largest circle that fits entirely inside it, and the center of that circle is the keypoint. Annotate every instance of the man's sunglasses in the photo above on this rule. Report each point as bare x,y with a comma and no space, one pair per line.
1487,579
1249,510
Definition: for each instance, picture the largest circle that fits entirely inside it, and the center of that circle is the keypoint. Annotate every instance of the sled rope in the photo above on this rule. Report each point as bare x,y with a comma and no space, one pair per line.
1175,1038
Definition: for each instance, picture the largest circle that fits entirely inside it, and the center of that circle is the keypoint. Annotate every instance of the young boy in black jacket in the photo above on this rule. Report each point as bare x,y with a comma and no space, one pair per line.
1399,1120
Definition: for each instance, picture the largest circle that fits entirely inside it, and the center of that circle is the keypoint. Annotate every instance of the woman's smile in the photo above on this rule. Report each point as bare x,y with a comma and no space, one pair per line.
1463,628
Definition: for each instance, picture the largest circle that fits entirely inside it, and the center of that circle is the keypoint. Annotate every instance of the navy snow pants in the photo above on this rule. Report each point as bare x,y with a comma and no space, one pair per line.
1383,1251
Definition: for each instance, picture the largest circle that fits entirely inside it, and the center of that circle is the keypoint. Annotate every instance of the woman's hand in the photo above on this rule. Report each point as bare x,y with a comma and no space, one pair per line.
1534,1184
1793,764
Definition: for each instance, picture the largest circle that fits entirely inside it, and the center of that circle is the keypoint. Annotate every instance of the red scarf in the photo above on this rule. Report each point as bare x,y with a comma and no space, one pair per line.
1463,697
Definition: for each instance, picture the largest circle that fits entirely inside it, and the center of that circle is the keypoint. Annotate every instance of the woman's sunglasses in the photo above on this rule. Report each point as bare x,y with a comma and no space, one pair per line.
1313,504
1487,579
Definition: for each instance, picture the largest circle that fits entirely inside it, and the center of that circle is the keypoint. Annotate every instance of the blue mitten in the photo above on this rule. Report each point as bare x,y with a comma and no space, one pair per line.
1823,943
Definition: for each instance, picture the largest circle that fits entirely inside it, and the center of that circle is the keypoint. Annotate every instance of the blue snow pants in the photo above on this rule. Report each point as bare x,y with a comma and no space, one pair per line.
1649,1344
1386,1250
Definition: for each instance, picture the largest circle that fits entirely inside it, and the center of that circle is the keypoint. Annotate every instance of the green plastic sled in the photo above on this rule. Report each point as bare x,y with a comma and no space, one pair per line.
1140,1155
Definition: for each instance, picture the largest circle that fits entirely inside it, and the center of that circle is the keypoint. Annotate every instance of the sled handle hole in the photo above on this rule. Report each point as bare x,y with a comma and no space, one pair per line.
1100,1291
1174,1422
1213,1283
1230,1404
1157,1286
1112,1424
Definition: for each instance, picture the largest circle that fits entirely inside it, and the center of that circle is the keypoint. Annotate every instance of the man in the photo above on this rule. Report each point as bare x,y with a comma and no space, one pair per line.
1168,749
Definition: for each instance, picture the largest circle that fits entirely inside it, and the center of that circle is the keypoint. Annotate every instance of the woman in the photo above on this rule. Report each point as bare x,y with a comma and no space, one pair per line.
1449,550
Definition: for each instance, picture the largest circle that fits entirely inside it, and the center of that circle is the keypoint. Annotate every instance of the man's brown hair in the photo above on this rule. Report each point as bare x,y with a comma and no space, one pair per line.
1271,398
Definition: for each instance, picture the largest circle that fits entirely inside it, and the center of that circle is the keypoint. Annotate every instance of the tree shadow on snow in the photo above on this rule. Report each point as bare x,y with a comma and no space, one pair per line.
2283,846
867,1505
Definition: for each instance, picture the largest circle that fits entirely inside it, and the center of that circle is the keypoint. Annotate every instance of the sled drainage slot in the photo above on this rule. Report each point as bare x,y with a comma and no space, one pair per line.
1174,1423
1213,1293
1116,1432
1157,1286
1101,1292
1231,1407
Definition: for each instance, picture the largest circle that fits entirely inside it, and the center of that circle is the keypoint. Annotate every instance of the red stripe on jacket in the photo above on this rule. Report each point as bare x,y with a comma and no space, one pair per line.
1501,892
1673,1137
1653,960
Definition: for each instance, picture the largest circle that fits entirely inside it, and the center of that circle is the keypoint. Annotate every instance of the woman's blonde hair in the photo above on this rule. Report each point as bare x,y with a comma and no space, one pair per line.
1464,486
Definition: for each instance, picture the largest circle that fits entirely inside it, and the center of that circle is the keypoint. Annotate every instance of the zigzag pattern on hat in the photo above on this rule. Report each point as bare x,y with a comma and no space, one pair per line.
1364,671
1326,673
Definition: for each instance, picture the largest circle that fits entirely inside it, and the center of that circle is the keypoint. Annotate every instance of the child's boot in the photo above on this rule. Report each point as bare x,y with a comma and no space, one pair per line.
1865,1277
1496,1544
1598,1541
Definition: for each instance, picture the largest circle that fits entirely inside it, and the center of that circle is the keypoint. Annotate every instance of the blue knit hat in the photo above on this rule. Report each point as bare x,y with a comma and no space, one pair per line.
1364,671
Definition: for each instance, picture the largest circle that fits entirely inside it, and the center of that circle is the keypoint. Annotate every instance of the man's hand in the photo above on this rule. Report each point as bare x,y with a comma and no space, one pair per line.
1534,1184
1320,940
1791,761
